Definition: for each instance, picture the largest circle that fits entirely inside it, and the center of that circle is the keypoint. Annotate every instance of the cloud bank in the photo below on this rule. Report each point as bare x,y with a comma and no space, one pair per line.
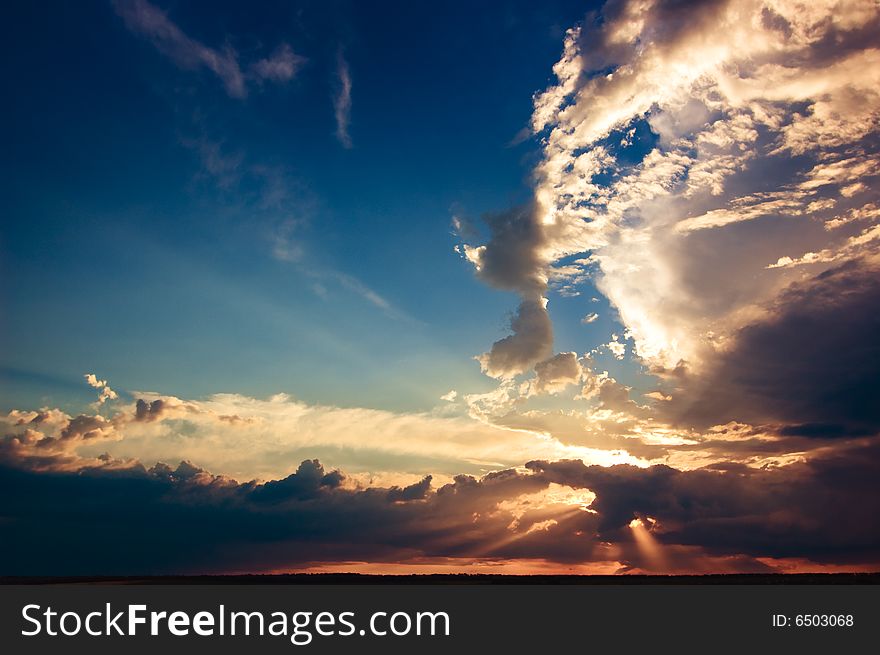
184,519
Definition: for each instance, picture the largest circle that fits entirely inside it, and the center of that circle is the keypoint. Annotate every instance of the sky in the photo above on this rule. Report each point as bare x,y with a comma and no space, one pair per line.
418,287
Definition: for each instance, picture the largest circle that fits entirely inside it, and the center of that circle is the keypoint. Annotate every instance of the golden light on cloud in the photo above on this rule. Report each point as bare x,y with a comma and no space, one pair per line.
649,548
555,498
543,511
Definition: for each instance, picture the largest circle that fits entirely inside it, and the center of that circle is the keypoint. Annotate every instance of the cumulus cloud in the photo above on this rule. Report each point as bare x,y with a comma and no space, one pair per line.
718,96
508,261
106,392
706,165
187,520
734,509
555,374
144,18
530,343
616,347
51,440
811,363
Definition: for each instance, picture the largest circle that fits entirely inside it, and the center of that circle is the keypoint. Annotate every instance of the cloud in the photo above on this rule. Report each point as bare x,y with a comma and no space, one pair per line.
555,374
246,438
616,347
342,101
148,20
225,168
106,392
287,208
144,18
811,360
355,286
50,439
507,261
187,520
712,168
530,343
811,507
688,147
857,245
282,66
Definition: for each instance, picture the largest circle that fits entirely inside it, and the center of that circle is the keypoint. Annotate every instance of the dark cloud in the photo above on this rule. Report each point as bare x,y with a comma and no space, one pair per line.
114,519
530,343
85,427
821,509
104,520
416,491
149,411
307,482
511,258
812,366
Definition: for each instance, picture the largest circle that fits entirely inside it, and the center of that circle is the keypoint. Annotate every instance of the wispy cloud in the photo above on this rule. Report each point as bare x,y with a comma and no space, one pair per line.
286,207
148,20
325,276
342,100
218,163
282,66
144,18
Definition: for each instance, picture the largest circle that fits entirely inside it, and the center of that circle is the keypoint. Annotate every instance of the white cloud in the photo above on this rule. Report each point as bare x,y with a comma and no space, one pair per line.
616,347
106,392
857,245
730,90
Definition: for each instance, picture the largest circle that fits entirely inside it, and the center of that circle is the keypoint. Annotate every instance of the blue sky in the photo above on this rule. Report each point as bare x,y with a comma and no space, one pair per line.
144,203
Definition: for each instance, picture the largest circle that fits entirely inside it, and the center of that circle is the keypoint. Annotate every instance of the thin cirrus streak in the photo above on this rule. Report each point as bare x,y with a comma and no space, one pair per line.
150,21
342,101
